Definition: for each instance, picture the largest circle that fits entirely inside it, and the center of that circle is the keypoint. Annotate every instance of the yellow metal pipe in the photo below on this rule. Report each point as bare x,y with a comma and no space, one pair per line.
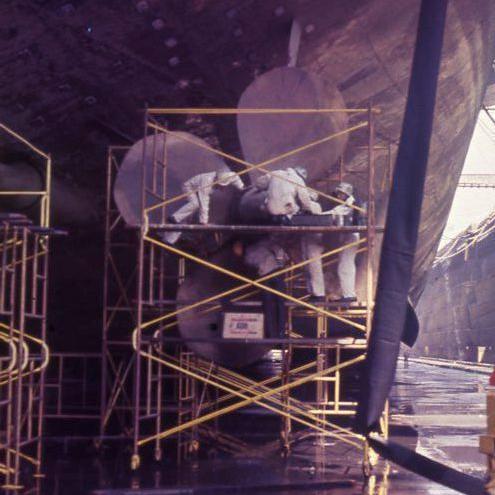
22,193
47,199
32,257
256,284
227,372
28,458
4,470
41,343
260,166
13,360
256,291
236,111
245,286
10,131
281,412
9,244
247,400
247,385
295,406
15,340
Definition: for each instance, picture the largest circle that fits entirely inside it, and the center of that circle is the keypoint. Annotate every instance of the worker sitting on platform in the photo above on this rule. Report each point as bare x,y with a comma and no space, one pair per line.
344,215
267,256
287,194
199,189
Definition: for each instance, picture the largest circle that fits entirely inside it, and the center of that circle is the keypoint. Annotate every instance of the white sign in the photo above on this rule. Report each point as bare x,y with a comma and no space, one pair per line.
243,326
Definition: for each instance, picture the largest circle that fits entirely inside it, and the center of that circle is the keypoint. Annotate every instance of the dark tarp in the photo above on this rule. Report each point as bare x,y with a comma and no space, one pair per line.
392,318
411,327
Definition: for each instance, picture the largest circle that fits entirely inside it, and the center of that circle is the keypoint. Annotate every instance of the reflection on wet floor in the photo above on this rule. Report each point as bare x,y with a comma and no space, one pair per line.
438,411
447,409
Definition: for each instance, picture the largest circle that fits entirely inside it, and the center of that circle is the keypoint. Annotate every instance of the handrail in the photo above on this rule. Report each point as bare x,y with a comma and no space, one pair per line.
250,166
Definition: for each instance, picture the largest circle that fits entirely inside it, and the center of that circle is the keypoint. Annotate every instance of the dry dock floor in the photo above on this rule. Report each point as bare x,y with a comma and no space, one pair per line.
438,411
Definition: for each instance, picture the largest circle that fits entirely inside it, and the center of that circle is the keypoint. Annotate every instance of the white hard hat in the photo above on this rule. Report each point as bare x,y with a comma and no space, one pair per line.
346,188
301,171
225,177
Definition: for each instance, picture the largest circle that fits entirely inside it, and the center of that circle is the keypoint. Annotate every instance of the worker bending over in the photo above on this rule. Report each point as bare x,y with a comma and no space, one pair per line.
286,192
199,189
344,215
286,195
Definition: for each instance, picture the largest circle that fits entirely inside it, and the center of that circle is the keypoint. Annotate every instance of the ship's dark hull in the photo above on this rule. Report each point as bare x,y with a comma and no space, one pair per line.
73,84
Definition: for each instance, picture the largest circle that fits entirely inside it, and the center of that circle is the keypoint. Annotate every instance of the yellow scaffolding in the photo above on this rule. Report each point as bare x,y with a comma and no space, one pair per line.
45,193
24,249
233,390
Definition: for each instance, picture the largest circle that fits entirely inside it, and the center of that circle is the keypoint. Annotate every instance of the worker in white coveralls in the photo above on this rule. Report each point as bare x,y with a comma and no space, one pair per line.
287,192
287,195
344,215
199,189
267,256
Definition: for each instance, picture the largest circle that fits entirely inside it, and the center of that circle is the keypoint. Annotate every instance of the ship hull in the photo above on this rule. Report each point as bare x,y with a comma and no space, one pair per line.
363,47
456,310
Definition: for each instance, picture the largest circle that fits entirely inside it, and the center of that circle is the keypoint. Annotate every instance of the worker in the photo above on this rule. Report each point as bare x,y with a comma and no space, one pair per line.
344,215
312,247
286,195
199,189
268,256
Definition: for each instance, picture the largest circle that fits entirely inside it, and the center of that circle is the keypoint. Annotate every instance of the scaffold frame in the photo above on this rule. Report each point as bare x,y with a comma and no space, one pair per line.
149,335
24,275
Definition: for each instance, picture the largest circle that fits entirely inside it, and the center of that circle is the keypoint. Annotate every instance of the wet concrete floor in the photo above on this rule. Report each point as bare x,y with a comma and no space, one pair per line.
438,411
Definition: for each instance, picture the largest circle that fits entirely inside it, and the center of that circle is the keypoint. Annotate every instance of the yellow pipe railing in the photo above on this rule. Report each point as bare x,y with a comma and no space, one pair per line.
250,166
235,111
44,193
238,288
246,399
247,385
225,271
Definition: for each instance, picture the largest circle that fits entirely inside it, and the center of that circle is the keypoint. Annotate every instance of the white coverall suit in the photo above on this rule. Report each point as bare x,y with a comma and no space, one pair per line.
199,189
346,269
266,256
286,190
